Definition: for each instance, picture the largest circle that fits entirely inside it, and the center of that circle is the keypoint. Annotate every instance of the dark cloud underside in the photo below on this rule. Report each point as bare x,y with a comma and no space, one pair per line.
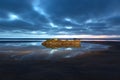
98,17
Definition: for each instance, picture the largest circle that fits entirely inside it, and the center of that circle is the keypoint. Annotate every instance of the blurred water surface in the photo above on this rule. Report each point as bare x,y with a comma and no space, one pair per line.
35,51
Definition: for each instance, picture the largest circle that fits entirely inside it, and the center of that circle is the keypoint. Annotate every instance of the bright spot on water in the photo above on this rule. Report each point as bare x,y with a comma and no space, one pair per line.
68,49
34,43
53,51
68,56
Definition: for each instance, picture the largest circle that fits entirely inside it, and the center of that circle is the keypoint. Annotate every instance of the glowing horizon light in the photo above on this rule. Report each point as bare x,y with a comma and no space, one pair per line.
87,36
60,34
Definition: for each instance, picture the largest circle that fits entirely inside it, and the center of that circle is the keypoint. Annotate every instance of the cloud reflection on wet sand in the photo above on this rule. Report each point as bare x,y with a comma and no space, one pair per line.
35,51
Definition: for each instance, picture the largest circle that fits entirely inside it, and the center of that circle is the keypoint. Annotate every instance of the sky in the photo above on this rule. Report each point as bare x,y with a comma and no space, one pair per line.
60,18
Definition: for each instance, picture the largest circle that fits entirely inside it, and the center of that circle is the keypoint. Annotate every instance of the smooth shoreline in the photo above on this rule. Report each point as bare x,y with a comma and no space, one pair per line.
95,65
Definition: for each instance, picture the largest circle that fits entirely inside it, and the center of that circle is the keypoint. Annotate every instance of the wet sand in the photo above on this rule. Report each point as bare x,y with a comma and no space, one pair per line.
93,65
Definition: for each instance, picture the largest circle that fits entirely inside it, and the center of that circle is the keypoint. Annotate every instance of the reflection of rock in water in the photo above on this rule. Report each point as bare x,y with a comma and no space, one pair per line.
35,51
56,43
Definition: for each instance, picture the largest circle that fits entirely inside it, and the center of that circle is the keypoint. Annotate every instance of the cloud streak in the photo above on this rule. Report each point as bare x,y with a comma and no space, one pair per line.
59,17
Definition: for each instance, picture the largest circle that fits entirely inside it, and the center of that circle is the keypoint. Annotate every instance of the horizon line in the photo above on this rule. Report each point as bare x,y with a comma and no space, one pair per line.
66,36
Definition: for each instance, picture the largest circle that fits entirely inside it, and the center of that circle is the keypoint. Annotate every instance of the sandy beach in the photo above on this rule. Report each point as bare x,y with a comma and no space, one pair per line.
92,65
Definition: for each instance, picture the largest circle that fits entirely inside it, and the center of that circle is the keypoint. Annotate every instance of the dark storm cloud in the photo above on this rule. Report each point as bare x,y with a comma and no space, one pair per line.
115,20
60,16
3,14
98,25
15,25
79,7
15,5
